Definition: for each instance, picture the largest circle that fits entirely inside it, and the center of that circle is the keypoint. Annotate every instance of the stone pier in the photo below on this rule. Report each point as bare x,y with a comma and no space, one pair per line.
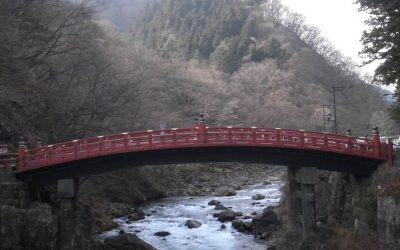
302,217
67,191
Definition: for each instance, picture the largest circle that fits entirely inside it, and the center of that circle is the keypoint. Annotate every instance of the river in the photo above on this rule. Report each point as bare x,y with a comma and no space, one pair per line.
170,214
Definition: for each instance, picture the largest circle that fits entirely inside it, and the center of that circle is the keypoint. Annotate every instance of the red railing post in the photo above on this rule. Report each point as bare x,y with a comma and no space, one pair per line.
302,138
326,145
100,143
21,157
74,142
254,134
125,141
349,146
150,138
229,134
278,136
174,135
202,129
376,143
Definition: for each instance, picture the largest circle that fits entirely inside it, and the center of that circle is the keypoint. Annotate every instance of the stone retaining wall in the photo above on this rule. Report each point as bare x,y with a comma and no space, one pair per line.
389,222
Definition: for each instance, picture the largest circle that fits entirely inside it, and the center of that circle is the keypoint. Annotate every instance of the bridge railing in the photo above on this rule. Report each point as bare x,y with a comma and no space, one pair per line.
8,160
199,136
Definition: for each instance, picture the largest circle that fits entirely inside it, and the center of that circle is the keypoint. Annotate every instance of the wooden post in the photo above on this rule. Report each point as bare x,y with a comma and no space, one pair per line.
376,143
202,129
21,158
349,146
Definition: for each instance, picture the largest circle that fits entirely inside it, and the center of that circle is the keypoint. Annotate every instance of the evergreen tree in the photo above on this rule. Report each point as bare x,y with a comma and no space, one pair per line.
382,42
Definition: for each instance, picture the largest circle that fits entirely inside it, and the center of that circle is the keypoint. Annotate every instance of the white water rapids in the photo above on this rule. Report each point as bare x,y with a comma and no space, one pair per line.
170,214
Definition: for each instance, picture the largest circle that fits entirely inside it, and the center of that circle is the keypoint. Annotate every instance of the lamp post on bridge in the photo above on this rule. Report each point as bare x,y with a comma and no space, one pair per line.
327,117
334,90
200,124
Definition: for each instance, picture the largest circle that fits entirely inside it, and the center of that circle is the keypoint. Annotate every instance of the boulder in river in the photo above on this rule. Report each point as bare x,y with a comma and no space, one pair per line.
267,182
214,203
136,215
225,192
126,242
242,226
162,233
226,215
248,226
266,222
237,224
258,197
220,207
193,224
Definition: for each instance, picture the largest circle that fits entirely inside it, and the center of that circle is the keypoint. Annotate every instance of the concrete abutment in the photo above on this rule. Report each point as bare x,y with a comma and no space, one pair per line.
302,217
67,192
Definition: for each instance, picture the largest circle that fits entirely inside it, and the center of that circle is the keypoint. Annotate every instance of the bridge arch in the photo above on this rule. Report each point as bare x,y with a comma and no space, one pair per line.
200,144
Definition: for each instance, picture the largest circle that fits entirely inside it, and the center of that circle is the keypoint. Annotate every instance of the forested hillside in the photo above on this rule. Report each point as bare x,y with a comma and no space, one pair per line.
277,70
69,71
66,75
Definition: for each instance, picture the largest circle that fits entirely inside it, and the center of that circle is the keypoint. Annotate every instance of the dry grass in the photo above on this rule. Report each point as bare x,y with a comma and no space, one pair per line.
345,239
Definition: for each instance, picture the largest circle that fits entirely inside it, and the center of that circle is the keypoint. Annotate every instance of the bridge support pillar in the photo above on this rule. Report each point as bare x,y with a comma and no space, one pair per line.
302,216
67,191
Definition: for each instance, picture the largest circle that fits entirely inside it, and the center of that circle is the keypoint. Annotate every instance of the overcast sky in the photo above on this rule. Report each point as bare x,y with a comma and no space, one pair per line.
340,22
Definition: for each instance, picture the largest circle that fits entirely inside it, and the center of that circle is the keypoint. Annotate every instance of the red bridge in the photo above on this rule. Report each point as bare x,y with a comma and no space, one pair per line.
302,151
202,144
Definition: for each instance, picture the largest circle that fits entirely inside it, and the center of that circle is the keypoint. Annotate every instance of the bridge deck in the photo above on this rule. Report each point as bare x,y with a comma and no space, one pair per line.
200,136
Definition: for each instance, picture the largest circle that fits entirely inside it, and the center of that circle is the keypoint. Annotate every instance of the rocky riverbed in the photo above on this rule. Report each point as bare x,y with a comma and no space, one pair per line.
238,221
188,218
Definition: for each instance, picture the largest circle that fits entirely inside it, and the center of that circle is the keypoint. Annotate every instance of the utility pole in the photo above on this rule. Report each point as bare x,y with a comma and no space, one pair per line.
334,90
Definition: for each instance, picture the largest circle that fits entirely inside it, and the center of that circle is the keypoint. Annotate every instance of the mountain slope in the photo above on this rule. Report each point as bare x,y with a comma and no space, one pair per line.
279,72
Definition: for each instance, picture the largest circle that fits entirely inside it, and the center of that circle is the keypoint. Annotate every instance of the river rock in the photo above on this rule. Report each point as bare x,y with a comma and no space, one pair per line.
214,203
258,197
225,192
162,233
193,224
237,224
220,207
248,226
238,213
126,242
266,222
242,226
136,215
226,215
267,182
